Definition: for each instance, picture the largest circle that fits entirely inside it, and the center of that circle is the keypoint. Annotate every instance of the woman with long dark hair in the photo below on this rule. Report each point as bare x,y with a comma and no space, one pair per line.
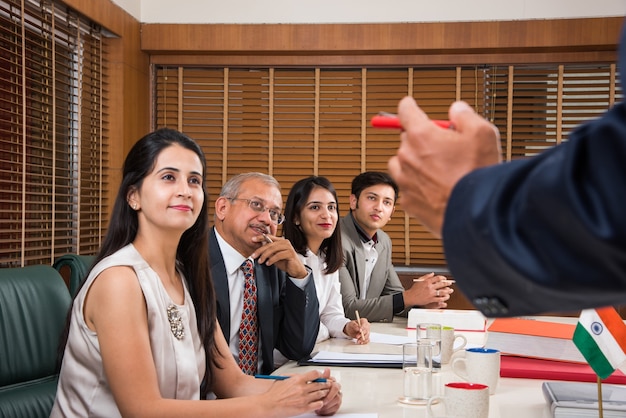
311,224
142,338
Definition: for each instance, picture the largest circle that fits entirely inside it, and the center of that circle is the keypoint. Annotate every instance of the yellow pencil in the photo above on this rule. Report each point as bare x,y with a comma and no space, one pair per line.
447,281
358,319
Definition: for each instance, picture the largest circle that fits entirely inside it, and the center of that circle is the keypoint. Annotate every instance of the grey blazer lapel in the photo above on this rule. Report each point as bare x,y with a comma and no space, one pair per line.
379,271
358,251
359,255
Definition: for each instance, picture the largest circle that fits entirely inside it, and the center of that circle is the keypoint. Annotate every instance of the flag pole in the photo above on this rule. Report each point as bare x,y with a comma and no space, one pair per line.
601,414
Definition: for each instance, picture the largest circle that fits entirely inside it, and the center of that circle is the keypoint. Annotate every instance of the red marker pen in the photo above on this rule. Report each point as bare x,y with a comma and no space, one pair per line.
391,121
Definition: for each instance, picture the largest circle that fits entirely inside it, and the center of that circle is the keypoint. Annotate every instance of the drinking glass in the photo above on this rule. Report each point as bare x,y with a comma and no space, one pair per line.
431,332
417,371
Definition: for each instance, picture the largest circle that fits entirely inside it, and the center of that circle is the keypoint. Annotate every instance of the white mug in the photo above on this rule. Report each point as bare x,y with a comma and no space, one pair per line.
479,365
449,344
463,400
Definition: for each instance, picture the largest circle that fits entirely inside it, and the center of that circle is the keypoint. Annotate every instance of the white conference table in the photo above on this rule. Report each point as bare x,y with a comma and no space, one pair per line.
376,390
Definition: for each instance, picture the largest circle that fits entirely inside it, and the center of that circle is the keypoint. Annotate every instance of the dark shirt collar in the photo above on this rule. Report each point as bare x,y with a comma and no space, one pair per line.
362,234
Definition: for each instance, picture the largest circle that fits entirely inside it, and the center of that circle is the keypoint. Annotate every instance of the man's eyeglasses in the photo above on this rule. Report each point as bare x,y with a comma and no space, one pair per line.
258,206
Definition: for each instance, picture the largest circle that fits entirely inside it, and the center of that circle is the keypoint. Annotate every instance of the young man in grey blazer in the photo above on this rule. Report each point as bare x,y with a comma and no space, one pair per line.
369,282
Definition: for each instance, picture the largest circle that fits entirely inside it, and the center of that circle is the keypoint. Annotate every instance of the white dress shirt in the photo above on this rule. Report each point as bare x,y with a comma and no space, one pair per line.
370,262
232,262
332,316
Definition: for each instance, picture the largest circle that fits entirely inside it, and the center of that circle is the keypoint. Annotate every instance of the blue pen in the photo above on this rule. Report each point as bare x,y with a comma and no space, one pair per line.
272,377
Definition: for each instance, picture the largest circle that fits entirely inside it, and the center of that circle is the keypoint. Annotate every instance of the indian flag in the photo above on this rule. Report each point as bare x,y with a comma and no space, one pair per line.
600,336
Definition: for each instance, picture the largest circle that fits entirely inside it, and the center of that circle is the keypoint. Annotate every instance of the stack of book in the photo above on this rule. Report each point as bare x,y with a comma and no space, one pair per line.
535,349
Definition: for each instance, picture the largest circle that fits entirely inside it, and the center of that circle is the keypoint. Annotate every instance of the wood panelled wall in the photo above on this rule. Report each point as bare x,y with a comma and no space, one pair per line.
455,43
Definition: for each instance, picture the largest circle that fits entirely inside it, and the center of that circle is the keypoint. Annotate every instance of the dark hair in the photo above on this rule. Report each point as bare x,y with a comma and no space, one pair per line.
372,178
298,195
192,253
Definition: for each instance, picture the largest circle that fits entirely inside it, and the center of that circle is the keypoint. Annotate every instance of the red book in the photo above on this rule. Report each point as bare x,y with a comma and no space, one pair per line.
533,368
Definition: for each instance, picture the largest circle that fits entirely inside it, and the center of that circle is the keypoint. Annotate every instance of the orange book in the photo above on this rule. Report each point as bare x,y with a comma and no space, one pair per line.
534,338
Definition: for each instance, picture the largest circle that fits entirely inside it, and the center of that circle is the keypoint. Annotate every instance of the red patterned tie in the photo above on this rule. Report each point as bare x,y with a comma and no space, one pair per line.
249,330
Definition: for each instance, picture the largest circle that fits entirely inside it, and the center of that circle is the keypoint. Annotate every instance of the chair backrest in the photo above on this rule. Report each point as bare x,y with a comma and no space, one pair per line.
34,303
73,268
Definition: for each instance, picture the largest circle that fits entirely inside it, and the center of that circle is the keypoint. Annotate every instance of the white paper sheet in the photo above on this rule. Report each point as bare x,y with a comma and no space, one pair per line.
376,337
339,358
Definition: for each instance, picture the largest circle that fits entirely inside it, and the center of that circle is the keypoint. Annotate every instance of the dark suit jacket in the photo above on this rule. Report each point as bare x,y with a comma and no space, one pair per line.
546,233
288,316
384,282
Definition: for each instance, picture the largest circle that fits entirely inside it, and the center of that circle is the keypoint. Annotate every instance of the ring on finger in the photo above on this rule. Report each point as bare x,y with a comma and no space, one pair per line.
437,293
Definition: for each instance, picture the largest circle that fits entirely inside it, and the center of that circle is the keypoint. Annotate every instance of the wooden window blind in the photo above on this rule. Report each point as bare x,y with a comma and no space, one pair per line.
294,125
295,122
53,147
537,107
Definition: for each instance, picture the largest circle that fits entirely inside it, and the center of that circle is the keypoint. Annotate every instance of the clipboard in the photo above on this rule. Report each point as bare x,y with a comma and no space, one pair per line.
351,360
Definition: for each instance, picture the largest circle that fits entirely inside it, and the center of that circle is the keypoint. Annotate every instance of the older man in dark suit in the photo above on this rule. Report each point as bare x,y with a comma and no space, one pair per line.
247,214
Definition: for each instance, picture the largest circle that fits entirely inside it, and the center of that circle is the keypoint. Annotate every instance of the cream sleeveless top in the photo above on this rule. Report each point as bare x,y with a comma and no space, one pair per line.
83,390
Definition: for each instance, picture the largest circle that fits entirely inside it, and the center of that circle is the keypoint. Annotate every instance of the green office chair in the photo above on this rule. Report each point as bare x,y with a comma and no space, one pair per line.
73,268
34,303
